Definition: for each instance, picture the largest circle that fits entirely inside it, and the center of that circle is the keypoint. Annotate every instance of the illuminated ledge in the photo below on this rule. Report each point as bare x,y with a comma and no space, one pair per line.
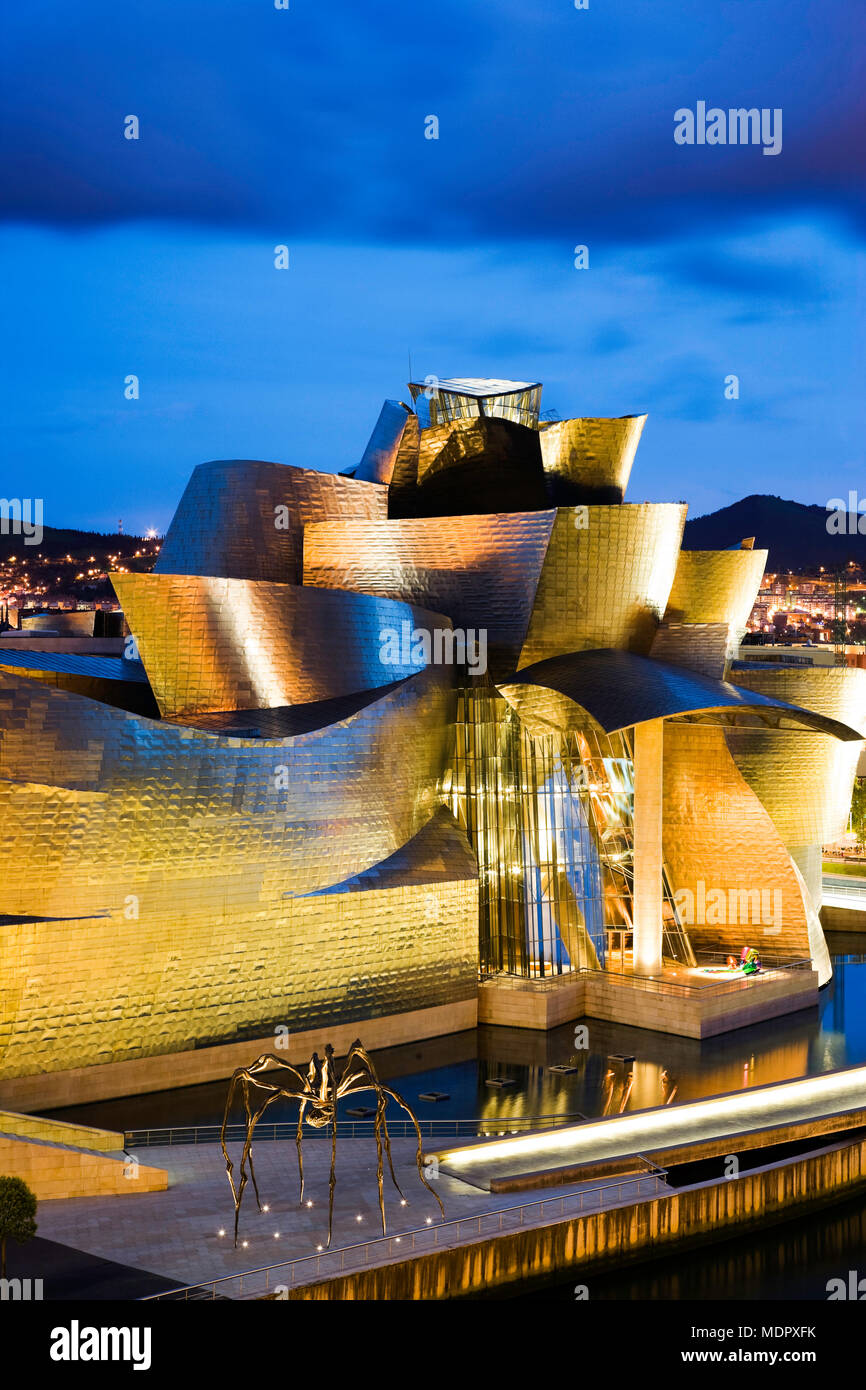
619,1136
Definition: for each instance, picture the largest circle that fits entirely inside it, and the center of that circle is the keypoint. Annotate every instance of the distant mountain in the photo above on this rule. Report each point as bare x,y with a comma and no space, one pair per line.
796,535
58,542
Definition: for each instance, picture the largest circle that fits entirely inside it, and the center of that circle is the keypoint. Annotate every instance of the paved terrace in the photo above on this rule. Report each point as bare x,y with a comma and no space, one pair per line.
647,1131
175,1233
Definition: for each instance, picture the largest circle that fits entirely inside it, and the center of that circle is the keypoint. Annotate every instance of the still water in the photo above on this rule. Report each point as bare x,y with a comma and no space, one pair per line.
791,1261
665,1069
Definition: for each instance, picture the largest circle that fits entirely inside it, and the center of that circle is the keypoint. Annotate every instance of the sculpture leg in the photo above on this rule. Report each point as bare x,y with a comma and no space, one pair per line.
298,1139
420,1153
380,1161
388,1150
333,1180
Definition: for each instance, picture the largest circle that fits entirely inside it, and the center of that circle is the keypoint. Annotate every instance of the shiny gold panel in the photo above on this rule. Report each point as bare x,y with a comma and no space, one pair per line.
804,779
97,803
718,838
715,586
228,644
462,464
395,424
605,580
591,455
216,958
245,518
703,647
481,571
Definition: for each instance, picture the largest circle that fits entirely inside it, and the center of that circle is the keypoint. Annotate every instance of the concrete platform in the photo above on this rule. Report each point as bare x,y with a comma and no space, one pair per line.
175,1233
683,1001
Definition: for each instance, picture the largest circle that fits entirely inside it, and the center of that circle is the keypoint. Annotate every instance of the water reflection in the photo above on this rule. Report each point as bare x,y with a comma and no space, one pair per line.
621,1068
793,1261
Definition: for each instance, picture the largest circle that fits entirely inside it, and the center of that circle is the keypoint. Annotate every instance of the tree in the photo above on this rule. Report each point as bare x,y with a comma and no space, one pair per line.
17,1215
858,809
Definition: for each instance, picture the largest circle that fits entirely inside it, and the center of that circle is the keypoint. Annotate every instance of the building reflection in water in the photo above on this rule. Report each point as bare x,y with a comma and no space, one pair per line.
547,1074
791,1261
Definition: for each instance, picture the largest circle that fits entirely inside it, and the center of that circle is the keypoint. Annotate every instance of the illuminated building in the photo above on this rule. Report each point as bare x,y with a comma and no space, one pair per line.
310,835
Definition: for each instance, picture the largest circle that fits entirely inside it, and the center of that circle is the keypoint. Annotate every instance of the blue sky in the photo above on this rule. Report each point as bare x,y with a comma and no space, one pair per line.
306,127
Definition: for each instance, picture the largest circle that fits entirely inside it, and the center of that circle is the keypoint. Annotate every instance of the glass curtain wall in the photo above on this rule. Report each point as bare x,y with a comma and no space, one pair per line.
550,819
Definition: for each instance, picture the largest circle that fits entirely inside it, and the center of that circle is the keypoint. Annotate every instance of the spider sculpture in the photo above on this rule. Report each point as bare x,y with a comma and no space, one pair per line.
319,1092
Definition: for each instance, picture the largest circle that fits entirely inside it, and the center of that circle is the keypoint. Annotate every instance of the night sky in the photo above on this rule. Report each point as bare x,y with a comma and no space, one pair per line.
306,127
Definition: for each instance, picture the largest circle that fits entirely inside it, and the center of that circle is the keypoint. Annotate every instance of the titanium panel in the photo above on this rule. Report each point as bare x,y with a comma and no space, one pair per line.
229,523
220,644
716,586
620,689
201,966
461,465
722,849
589,460
804,778
380,455
98,804
481,571
605,580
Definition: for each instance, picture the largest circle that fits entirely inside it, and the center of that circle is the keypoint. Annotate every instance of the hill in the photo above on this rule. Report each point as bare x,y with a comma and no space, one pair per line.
796,535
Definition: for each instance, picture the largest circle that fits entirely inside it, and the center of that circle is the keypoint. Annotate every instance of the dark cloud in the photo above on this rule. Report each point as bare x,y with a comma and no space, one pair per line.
554,123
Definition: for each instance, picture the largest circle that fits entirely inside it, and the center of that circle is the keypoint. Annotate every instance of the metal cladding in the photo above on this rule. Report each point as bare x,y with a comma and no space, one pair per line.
709,604
733,879
460,465
715,586
589,460
226,644
620,689
703,647
605,579
137,796
245,519
805,779
480,571
380,456
158,870
338,815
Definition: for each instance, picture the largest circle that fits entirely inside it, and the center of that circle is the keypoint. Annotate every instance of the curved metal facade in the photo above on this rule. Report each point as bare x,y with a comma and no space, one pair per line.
314,832
589,460
805,779
605,580
157,893
480,571
245,518
231,644
726,858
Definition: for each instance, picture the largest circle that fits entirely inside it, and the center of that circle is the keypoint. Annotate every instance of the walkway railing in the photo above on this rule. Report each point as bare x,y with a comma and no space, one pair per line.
308,1269
350,1129
843,888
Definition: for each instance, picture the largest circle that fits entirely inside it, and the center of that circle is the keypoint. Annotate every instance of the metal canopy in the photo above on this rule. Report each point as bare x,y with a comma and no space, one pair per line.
620,689
476,386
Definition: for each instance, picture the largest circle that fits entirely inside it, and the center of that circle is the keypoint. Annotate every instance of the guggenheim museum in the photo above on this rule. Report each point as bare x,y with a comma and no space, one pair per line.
459,735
